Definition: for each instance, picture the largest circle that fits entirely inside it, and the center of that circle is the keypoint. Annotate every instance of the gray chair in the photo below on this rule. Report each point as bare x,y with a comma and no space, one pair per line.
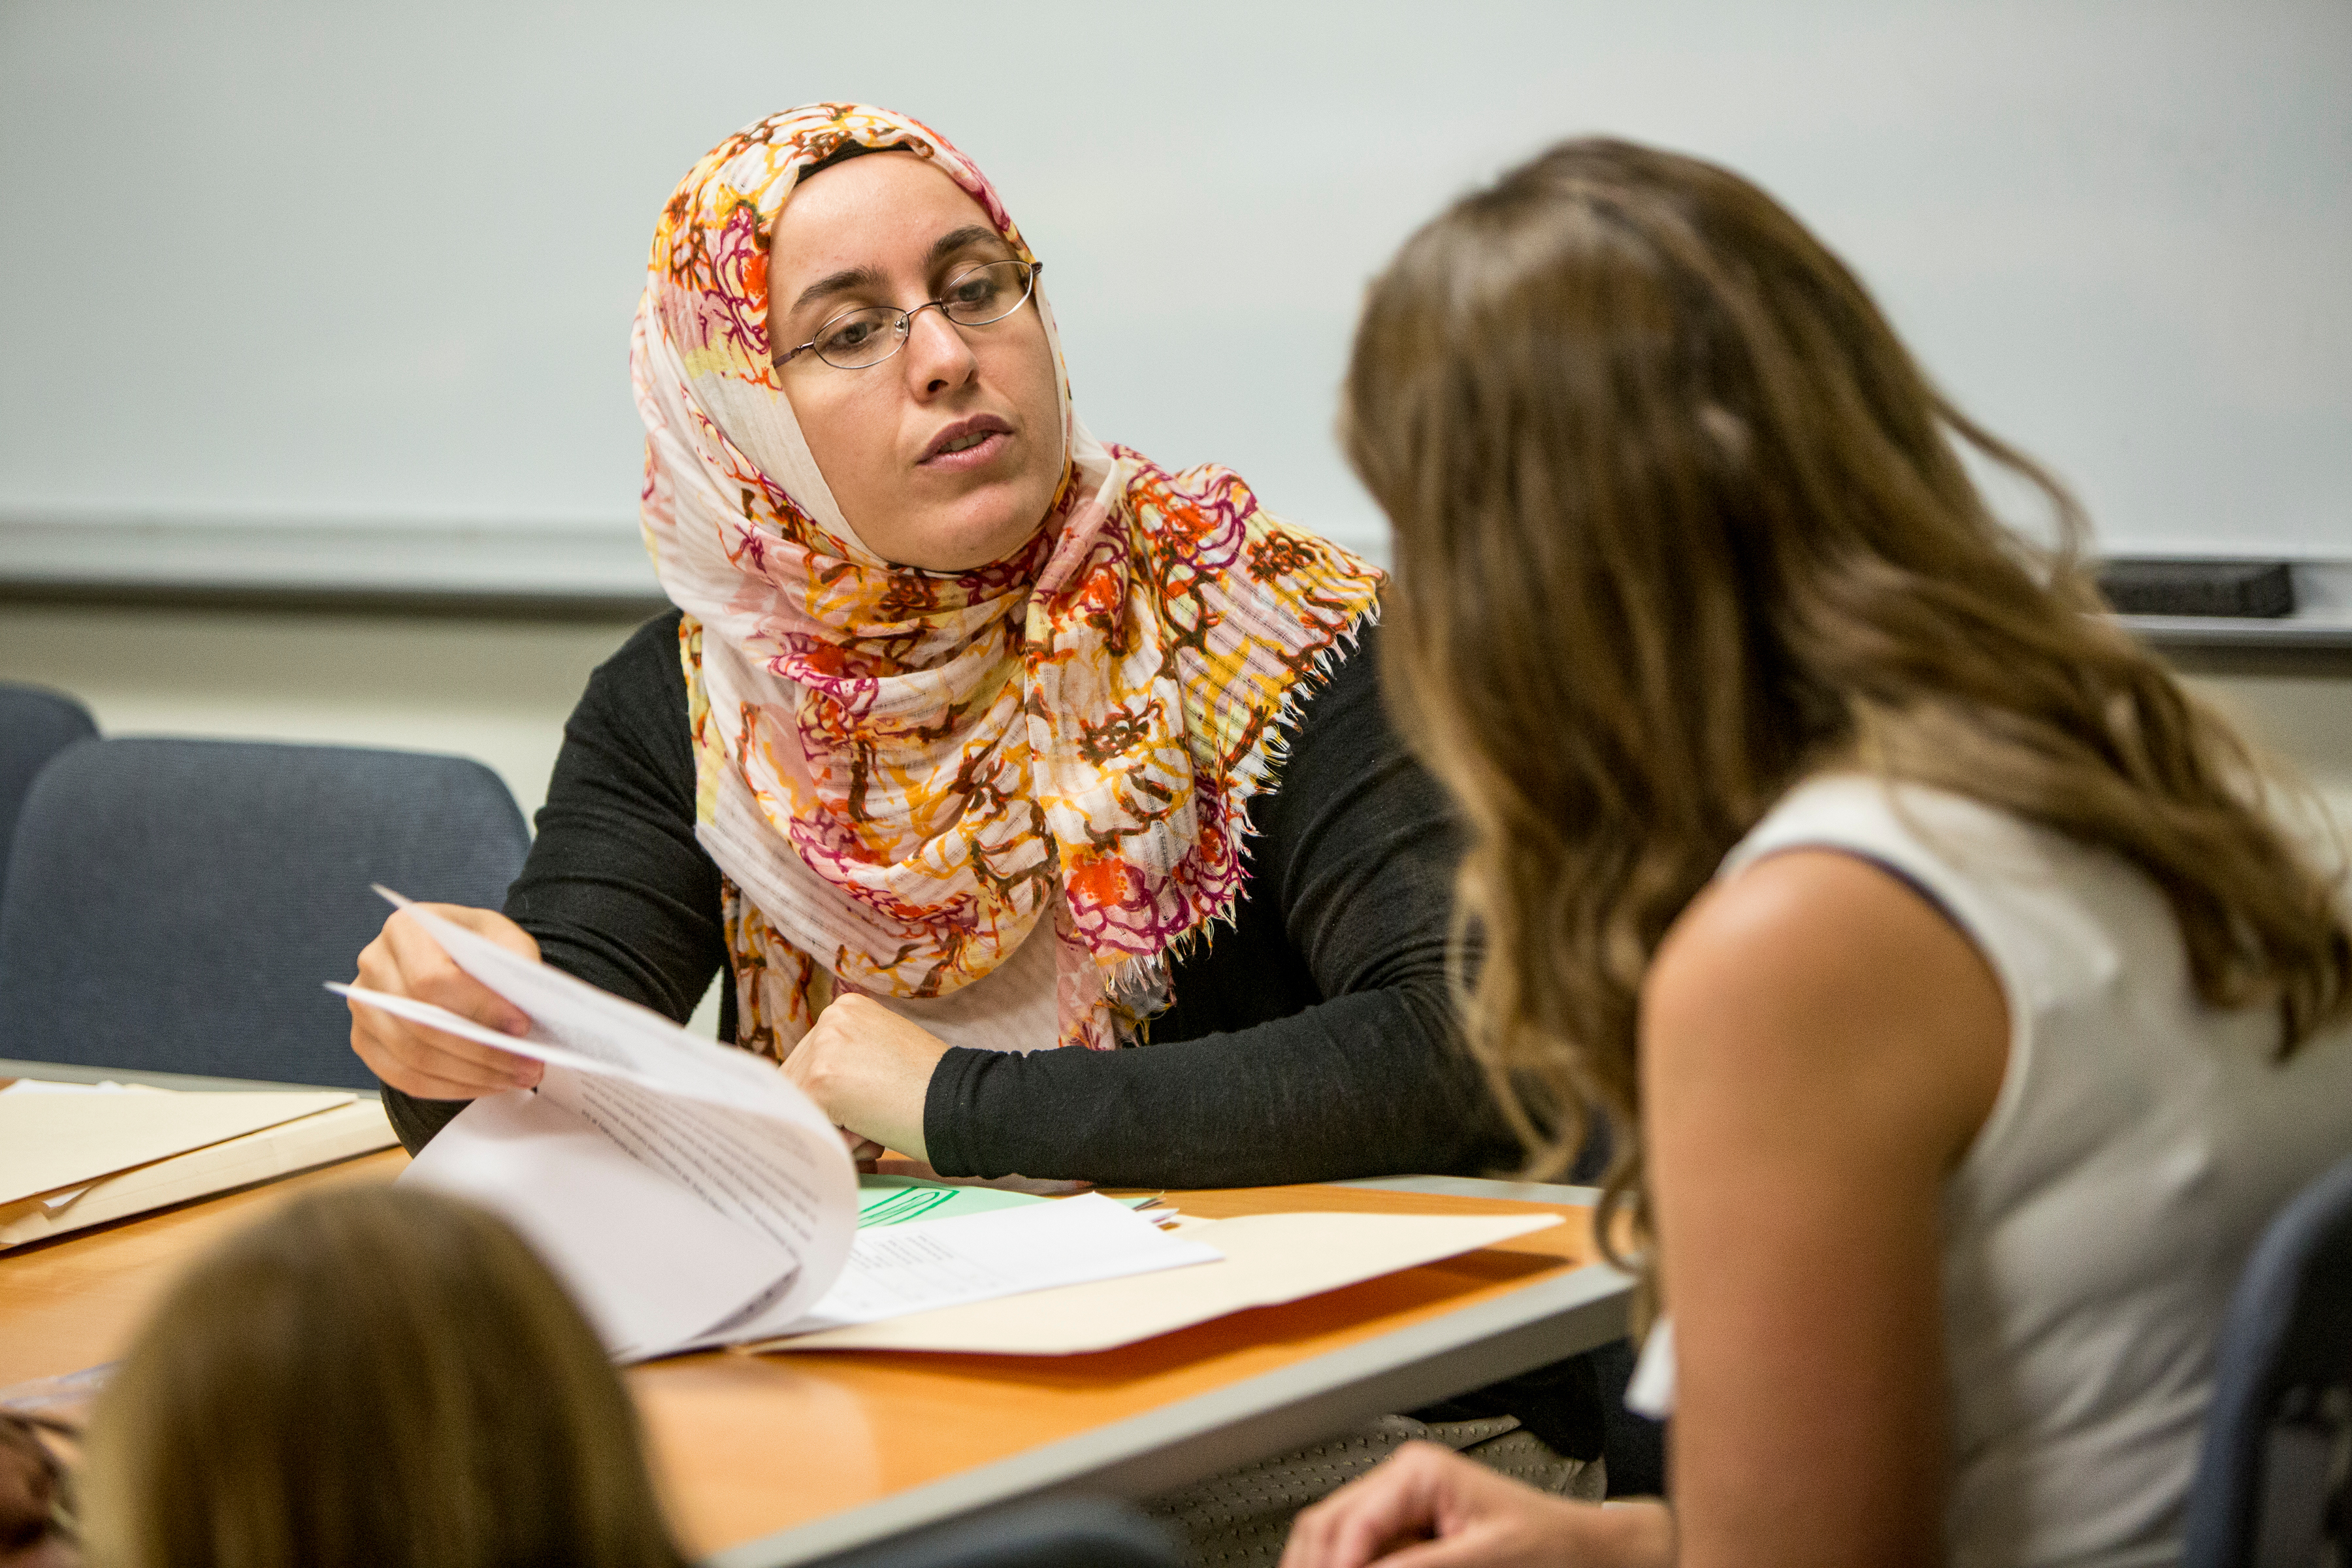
34,725
1056,1533
2271,1488
176,905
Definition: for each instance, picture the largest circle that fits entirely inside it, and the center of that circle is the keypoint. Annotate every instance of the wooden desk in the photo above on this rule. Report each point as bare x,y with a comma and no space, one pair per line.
778,1459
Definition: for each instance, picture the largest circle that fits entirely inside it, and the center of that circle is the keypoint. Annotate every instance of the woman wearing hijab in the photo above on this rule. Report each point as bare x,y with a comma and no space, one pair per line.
972,735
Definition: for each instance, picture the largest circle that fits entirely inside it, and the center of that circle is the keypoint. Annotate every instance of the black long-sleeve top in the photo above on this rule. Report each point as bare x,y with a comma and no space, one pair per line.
1309,1040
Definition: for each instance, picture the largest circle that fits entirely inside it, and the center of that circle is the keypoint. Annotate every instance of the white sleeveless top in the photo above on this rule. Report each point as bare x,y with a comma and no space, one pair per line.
2095,1228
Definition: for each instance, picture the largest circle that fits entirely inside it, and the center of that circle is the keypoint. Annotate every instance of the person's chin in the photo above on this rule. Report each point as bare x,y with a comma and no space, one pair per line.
970,541
985,521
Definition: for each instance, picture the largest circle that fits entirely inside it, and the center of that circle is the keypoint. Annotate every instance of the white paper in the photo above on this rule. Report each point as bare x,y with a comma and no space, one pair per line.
772,1167
651,1265
1266,1260
595,1029
692,1196
722,1139
52,1086
924,1265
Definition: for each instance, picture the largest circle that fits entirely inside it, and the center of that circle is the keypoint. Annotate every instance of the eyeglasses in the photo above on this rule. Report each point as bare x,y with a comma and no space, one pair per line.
862,338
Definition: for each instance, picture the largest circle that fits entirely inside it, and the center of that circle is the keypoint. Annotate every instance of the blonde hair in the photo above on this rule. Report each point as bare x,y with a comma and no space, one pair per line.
1678,520
372,1376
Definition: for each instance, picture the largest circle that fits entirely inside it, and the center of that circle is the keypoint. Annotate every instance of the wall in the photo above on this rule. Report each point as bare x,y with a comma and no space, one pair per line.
499,691
337,264
2305,719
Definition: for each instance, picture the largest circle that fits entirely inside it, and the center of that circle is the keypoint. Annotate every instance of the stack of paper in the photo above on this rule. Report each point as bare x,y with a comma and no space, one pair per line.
80,1154
692,1196
1265,1260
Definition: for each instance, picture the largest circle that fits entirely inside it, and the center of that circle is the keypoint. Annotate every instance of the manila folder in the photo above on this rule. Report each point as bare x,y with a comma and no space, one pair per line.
49,1141
1269,1259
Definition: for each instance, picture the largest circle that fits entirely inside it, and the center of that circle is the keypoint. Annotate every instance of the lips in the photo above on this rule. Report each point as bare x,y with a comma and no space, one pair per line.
967,437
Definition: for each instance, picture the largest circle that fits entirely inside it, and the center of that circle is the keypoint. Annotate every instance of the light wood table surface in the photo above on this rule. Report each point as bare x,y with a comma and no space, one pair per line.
784,1458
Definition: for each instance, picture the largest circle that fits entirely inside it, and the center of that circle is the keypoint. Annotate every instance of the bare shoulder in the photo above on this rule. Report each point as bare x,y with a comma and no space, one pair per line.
1817,977
1819,1046
1833,916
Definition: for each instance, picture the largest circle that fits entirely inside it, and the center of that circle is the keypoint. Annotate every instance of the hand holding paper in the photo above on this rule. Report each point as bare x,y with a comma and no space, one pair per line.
691,1196
405,961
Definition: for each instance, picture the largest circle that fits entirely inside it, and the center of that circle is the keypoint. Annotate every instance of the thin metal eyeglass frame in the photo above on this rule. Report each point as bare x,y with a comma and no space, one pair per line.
907,318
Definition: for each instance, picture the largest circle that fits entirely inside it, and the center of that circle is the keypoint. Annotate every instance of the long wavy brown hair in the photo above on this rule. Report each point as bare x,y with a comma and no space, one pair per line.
1678,520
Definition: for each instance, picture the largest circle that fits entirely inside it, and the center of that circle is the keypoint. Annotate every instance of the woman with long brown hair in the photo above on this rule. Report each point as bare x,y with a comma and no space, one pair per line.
372,1376
1962,1005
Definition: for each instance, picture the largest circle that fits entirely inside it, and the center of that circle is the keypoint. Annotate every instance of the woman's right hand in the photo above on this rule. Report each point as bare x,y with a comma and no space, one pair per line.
1429,1507
405,961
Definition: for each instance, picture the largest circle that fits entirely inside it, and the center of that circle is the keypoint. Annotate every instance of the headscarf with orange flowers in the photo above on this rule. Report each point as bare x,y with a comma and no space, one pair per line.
902,774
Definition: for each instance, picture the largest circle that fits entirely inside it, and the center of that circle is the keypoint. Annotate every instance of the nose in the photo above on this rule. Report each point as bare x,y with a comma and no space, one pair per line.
938,358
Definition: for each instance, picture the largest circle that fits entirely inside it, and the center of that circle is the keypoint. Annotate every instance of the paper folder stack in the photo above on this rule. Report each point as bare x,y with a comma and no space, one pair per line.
80,1154
691,1197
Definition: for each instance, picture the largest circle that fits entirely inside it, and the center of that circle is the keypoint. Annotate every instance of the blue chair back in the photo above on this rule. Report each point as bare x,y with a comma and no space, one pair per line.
34,725
2270,1487
1055,1533
175,905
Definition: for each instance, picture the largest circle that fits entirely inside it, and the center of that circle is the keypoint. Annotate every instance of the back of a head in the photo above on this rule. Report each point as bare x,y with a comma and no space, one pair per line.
1623,396
370,1375
1678,519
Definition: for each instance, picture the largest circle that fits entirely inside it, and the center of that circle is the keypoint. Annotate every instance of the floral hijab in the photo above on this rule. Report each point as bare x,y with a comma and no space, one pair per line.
904,775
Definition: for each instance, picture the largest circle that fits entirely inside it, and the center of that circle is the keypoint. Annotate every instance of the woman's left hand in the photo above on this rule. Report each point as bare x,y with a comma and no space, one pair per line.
870,1070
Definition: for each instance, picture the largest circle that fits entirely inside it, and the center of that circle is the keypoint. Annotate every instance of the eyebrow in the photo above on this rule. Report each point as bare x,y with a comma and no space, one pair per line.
954,240
840,282
855,277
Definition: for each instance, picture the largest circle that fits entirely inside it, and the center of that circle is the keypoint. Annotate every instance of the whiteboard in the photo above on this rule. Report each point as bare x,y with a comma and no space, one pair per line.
366,272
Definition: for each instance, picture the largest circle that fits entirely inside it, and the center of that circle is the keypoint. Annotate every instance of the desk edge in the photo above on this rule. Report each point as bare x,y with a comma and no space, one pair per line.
1177,1444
